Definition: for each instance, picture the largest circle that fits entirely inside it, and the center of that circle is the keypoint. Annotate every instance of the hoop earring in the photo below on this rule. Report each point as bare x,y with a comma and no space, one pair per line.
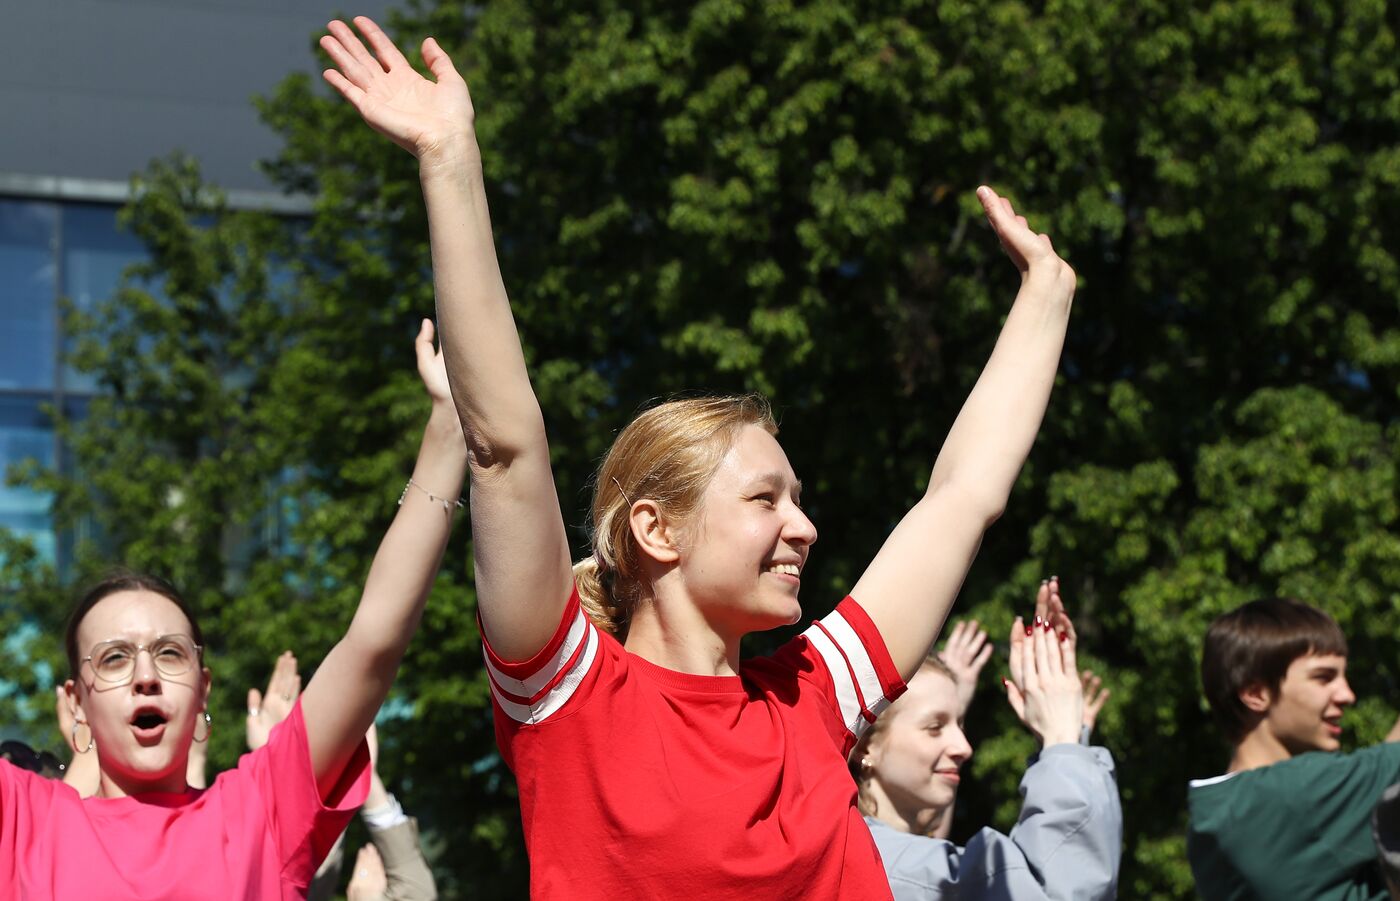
91,740
208,727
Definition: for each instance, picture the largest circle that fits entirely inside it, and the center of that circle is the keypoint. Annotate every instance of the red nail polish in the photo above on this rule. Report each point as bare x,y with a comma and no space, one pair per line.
1030,631
1064,637
1004,683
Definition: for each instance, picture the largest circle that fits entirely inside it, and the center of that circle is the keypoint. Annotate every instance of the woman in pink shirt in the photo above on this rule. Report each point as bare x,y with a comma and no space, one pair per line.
138,693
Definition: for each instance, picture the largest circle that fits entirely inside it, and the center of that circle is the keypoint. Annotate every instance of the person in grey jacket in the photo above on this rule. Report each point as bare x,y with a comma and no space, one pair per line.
1067,843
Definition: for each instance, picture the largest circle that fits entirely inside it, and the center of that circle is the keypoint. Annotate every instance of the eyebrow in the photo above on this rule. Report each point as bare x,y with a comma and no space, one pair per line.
780,479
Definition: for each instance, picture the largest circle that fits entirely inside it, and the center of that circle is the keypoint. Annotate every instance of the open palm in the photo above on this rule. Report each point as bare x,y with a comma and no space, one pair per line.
420,115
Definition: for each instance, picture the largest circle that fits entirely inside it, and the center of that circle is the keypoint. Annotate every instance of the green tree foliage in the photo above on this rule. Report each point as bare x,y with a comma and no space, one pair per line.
727,195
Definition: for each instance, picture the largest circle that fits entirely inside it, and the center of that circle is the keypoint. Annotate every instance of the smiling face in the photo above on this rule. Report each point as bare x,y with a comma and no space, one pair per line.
142,726
743,553
1306,715
914,762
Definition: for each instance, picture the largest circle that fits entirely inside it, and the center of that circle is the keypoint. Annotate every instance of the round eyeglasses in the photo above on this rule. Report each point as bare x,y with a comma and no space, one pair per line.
114,661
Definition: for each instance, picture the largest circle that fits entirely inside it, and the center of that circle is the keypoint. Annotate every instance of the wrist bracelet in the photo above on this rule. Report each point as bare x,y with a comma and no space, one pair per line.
446,504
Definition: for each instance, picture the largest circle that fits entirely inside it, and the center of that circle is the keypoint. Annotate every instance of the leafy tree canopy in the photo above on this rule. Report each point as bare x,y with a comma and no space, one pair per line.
775,196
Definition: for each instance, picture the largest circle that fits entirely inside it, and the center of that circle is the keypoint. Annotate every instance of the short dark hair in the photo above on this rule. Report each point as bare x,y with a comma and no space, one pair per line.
1254,645
111,583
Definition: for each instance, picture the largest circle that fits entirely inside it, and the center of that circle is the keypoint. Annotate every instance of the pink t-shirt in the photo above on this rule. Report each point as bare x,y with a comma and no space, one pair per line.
257,833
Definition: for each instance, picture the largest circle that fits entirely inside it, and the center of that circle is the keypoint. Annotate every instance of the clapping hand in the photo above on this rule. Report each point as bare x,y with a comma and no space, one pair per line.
1045,689
269,709
965,653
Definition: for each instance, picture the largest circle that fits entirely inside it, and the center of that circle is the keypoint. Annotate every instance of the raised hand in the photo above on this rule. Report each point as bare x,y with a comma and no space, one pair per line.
267,710
1050,608
425,117
431,368
965,653
1044,689
369,881
1032,253
1095,695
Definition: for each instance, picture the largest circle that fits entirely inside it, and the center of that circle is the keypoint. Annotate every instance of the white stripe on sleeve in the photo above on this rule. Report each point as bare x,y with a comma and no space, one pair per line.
536,681
846,698
867,678
541,708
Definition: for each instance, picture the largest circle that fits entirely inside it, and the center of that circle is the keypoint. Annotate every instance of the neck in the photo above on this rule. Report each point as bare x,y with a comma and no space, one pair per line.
1258,749
917,821
670,632
118,785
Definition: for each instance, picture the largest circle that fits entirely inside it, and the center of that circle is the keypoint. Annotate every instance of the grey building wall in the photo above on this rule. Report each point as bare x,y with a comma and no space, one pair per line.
91,90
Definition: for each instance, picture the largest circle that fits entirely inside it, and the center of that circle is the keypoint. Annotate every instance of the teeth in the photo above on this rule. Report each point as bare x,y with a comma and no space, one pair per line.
790,569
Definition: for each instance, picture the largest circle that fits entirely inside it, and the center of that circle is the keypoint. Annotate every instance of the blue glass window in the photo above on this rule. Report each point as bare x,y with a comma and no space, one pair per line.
94,255
26,434
28,316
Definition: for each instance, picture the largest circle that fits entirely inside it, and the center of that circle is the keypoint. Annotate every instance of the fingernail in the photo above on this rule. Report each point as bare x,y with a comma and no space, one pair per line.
1064,636
1029,631
1004,683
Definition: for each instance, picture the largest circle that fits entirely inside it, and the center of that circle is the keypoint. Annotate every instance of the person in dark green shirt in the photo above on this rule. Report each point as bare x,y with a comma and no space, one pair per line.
1291,817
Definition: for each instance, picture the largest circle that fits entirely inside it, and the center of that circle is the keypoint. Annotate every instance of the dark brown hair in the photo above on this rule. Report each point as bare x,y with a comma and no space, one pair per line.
1254,645
111,583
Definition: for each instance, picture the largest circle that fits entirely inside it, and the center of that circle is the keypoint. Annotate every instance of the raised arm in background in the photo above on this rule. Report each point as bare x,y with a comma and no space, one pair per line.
341,701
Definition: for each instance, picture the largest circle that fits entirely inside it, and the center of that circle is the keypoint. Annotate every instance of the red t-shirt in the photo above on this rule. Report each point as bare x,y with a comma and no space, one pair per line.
640,782
257,833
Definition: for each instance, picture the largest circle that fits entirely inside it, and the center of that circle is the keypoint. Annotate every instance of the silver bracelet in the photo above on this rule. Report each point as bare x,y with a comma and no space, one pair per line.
446,504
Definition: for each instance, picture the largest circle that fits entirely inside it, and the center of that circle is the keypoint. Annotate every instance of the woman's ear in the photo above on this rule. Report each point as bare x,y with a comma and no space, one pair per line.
651,532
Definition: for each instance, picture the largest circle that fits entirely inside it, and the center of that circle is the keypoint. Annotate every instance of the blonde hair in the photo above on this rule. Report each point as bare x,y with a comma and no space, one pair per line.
859,769
668,454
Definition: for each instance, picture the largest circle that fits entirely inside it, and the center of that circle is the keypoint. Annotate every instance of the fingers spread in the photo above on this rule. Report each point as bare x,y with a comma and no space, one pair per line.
388,53
345,62
353,46
345,88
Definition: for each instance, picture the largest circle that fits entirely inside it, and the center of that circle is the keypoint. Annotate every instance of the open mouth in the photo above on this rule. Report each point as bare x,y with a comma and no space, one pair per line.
149,723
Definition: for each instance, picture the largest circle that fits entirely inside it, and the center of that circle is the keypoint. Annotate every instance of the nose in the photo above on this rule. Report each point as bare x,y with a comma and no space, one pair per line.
959,749
145,679
799,529
1345,696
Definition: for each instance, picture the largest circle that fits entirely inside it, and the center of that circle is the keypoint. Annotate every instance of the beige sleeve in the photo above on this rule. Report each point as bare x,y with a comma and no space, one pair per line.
410,879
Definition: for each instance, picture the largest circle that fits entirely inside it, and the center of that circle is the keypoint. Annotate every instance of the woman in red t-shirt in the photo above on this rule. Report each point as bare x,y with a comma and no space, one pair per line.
651,761
138,696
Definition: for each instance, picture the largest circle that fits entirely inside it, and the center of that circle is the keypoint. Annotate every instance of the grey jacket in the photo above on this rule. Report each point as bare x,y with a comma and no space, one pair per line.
1065,847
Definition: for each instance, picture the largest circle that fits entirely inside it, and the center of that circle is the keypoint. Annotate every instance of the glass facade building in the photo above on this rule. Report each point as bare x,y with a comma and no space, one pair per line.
49,249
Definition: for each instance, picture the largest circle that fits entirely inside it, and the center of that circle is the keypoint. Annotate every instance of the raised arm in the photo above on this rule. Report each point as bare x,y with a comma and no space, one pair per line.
351,683
523,571
910,586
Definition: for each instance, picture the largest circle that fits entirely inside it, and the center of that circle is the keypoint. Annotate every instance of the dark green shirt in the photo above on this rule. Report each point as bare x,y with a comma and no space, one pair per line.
1300,829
